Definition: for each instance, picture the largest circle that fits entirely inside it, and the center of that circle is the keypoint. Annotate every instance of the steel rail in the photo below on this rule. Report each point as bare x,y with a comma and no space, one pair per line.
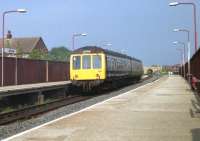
38,109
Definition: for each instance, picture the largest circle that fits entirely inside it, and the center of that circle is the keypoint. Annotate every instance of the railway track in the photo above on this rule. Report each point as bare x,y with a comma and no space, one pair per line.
33,111
29,112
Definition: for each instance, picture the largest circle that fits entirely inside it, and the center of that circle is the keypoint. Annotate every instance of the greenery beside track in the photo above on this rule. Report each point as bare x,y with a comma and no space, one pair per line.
55,54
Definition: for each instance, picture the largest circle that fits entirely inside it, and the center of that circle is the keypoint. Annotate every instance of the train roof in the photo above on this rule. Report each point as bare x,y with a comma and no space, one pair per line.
95,49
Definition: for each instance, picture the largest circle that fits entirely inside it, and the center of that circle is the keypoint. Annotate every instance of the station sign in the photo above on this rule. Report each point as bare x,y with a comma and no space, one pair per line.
10,50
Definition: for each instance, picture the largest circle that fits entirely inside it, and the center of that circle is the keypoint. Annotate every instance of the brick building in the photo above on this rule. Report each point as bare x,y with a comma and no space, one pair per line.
23,46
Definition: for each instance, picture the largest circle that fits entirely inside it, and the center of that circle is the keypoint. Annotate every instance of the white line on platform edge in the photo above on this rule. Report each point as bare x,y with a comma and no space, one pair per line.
77,112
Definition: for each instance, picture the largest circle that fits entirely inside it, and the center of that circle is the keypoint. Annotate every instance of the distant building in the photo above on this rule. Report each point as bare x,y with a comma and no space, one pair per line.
153,68
172,68
22,46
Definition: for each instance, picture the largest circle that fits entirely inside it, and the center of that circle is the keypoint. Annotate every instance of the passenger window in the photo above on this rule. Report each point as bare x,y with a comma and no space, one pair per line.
96,61
76,62
86,62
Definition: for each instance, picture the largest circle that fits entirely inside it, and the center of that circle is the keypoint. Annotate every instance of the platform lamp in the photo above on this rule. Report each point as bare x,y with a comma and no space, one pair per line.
108,45
194,18
182,43
3,30
189,48
77,35
182,56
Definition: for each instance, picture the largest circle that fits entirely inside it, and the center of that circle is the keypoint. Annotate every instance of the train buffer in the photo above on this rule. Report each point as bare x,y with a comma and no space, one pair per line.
160,110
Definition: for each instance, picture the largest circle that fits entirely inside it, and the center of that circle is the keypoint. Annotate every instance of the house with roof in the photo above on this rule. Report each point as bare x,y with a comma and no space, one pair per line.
22,46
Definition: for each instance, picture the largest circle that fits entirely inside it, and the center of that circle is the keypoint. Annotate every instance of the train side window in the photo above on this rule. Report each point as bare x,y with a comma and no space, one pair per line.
97,61
86,62
76,62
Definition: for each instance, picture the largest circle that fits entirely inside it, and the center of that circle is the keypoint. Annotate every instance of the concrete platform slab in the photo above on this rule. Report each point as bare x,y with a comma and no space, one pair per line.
159,111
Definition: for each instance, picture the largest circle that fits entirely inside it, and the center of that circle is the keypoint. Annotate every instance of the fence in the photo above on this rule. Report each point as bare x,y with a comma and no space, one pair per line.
19,71
194,70
194,65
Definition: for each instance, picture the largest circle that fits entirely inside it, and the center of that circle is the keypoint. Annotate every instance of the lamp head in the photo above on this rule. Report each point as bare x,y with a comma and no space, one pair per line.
84,34
175,42
21,10
176,30
109,44
174,3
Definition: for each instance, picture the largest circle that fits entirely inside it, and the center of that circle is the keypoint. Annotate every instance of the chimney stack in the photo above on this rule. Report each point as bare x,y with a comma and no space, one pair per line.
9,35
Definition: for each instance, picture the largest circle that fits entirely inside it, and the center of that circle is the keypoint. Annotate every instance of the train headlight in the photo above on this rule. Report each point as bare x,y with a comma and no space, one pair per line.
76,76
98,76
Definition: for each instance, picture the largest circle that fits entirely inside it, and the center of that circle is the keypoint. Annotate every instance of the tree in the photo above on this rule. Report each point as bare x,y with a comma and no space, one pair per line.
155,65
37,54
59,54
19,51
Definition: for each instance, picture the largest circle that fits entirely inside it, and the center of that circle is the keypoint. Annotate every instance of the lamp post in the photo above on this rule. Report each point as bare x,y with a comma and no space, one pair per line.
107,45
182,56
123,51
3,30
176,43
76,35
189,49
194,18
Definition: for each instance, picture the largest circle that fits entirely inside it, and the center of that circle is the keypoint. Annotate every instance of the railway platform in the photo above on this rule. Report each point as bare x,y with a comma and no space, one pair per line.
165,110
31,88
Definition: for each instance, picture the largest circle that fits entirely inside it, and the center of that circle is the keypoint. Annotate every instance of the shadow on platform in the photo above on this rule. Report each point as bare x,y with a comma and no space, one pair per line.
195,110
195,134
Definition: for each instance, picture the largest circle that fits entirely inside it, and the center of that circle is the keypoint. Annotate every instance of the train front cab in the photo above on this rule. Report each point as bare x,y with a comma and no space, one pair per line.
87,70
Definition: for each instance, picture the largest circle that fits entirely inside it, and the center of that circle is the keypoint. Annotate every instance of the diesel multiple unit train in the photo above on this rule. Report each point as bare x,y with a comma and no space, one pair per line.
91,66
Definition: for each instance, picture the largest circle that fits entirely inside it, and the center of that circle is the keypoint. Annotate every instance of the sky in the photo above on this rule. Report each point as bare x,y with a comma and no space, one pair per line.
139,28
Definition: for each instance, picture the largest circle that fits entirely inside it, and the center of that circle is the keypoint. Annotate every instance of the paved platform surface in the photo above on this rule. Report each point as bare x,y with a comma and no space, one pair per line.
17,89
160,111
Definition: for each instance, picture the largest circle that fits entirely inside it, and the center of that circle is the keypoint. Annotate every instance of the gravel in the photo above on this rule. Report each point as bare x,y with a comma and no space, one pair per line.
20,126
